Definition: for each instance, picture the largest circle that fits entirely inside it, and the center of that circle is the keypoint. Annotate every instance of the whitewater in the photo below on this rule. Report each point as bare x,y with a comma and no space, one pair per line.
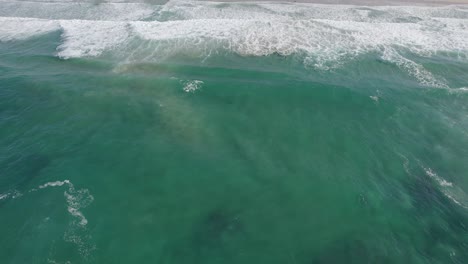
233,132
323,36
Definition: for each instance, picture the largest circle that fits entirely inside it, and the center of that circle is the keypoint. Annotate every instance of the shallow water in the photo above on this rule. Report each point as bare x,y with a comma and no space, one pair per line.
191,132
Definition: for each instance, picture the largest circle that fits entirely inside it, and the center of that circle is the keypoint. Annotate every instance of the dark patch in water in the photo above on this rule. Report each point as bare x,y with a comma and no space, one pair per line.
362,200
20,171
423,193
349,251
439,240
210,238
35,163
216,226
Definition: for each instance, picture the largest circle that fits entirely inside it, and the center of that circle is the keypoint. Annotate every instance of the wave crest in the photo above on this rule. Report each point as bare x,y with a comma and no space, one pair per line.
201,29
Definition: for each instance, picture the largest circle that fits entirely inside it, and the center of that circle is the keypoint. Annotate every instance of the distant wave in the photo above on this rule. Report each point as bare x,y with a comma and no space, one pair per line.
324,36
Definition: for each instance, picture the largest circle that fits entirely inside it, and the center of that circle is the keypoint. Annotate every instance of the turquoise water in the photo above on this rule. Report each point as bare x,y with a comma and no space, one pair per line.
191,132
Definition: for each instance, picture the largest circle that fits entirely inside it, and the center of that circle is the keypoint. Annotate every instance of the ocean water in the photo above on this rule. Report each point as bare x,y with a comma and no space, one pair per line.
204,132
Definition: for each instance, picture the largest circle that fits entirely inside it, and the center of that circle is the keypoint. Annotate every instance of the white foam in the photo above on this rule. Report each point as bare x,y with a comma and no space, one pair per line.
324,36
4,196
54,184
454,193
185,10
325,33
460,90
440,181
14,28
324,43
90,38
10,195
451,191
192,86
416,70
73,10
76,199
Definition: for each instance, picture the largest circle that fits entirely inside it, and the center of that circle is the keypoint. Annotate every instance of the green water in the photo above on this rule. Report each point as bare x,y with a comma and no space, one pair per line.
266,161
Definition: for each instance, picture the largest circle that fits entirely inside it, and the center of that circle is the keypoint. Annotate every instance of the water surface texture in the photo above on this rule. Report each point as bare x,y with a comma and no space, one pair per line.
203,132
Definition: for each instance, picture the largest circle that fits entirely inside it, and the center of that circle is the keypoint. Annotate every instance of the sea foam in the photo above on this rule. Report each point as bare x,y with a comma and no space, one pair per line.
324,36
74,10
454,193
18,28
76,200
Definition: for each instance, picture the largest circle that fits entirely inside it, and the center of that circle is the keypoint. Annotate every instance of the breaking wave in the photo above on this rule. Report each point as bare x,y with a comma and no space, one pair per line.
322,36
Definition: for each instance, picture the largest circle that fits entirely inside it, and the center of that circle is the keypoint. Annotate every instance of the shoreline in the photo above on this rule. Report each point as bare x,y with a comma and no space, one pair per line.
356,2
